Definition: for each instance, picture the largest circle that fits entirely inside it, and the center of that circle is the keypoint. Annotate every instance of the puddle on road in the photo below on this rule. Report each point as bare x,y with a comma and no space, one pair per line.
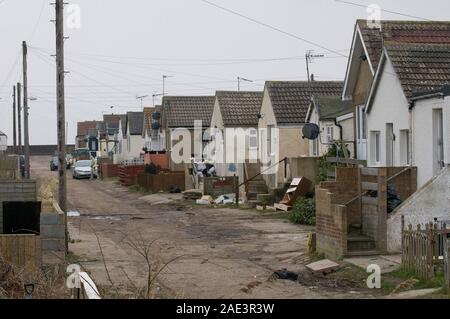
73,214
112,218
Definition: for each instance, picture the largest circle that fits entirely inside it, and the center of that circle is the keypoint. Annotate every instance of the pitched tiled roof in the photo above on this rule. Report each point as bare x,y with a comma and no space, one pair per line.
402,31
84,127
420,67
182,111
239,108
331,107
290,100
135,121
112,122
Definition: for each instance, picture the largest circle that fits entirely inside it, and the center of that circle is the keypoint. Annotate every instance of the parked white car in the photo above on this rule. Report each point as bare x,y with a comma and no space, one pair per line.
83,169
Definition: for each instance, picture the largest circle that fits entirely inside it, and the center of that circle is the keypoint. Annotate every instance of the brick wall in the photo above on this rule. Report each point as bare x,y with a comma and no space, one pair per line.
16,191
331,225
332,216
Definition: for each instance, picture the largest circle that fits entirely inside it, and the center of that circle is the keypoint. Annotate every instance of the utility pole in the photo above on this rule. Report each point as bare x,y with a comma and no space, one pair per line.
19,118
61,116
309,59
14,120
25,111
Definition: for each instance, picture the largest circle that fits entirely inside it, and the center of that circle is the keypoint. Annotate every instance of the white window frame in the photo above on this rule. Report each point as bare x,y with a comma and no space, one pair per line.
253,139
375,156
405,139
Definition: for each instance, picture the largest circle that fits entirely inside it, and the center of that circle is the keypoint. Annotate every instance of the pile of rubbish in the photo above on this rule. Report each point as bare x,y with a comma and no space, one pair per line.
393,200
221,200
203,169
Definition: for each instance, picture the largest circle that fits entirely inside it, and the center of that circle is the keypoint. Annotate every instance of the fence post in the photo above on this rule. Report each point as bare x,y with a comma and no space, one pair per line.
236,186
446,261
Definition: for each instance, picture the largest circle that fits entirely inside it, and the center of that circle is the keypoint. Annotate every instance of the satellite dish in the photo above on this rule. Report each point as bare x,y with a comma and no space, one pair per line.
311,131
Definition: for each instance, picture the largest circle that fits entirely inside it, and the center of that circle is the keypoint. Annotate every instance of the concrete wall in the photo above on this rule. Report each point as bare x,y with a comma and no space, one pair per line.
3,143
424,140
304,166
429,202
389,106
53,237
16,191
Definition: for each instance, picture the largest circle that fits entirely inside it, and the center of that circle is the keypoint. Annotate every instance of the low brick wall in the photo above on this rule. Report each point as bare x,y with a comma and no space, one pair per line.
161,160
162,182
332,216
109,170
216,186
128,174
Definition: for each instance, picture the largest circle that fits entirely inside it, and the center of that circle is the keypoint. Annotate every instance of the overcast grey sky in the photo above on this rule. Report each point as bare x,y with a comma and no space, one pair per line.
124,47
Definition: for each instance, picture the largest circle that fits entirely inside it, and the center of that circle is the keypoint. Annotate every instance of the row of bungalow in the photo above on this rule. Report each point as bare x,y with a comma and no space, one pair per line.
392,109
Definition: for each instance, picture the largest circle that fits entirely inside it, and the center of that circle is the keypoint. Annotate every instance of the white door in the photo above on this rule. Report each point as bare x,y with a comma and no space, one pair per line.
361,133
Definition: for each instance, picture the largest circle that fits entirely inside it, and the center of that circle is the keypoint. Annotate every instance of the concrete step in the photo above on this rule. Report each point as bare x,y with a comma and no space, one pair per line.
267,199
360,243
361,253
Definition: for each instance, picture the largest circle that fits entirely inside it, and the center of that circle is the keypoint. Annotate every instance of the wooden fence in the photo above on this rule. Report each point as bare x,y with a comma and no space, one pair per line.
422,249
21,250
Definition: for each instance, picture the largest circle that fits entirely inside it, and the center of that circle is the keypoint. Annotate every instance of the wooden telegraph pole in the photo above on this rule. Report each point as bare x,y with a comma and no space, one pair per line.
14,120
25,111
61,116
19,121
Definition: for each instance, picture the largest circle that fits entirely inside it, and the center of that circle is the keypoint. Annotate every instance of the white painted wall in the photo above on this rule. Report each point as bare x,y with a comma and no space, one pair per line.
423,140
429,202
389,106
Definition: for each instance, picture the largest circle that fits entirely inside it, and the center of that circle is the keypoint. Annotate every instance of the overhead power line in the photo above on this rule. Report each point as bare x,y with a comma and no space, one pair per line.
273,28
384,10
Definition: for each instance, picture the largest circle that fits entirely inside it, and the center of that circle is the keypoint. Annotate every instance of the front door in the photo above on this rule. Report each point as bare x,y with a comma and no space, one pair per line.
361,132
389,144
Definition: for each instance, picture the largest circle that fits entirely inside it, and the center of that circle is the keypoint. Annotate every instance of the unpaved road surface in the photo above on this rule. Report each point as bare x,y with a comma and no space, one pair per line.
220,253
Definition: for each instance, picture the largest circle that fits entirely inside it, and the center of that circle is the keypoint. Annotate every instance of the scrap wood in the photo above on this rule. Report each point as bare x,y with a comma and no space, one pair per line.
299,187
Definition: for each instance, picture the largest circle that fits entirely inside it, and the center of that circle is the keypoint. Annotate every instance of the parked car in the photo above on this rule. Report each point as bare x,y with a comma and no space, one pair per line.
55,162
83,169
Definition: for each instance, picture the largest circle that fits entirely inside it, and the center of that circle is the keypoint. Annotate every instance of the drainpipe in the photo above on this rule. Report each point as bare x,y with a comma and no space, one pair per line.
341,132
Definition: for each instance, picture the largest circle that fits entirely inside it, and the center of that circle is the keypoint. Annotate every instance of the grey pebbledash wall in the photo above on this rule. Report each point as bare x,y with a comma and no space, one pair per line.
431,201
53,237
16,191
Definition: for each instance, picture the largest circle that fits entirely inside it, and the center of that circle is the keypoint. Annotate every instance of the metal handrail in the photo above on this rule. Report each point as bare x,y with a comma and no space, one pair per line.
259,174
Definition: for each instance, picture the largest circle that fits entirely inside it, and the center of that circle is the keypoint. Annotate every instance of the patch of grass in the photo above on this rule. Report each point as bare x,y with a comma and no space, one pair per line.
138,189
350,273
392,280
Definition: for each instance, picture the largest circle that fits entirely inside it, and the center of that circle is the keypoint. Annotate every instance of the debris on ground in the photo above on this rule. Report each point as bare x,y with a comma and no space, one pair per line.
406,285
193,194
324,266
285,274
205,200
225,199
174,190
